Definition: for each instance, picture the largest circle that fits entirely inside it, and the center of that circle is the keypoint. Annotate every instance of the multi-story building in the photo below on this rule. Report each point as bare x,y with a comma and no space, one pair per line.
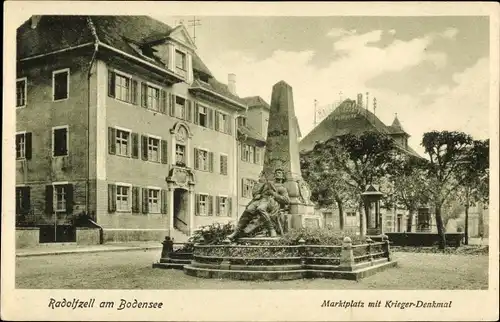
120,119
351,117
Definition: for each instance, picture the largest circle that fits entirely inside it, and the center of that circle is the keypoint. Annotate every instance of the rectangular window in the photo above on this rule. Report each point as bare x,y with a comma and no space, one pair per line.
203,160
23,200
180,154
122,142
223,122
60,84
351,214
242,121
180,60
21,85
20,146
203,204
60,141
153,98
122,198
203,116
180,107
153,149
223,164
223,206
247,187
122,87
60,196
154,201
251,154
248,153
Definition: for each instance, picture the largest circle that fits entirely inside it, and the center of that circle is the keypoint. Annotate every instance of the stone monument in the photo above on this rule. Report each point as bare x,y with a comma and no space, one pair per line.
282,152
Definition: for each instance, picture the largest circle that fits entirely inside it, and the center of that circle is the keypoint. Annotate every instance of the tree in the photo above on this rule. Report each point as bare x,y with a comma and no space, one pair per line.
474,175
363,159
446,151
327,182
410,184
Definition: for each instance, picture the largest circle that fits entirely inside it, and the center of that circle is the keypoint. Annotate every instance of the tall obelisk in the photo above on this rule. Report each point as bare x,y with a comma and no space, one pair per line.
282,152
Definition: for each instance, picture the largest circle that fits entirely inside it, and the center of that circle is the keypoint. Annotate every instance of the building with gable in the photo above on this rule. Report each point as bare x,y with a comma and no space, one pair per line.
119,118
350,117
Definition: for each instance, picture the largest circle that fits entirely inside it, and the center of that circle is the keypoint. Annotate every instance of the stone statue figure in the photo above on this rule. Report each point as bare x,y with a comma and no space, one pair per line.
268,199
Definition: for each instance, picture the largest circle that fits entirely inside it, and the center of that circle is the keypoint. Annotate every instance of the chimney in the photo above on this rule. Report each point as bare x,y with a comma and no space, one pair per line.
34,21
360,100
231,83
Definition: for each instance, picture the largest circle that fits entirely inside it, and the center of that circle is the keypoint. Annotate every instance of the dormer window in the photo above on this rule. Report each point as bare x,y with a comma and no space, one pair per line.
180,60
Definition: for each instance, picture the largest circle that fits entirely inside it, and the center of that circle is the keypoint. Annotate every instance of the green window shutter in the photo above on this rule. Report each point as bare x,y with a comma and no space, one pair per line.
111,83
229,207
163,101
27,149
216,120
19,191
211,161
196,116
210,113
26,202
210,205
229,125
111,198
164,203
49,199
196,204
135,145
189,110
172,104
135,200
164,151
69,198
145,201
111,140
217,206
133,92
196,160
144,146
144,95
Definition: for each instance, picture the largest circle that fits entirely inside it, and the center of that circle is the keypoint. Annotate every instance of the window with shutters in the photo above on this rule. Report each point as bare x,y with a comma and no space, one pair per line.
203,204
180,107
122,87
203,162
21,89
223,164
20,146
248,153
153,98
203,116
123,197
247,187
242,121
223,206
154,200
23,200
223,122
180,154
122,142
60,142
60,84
60,194
153,149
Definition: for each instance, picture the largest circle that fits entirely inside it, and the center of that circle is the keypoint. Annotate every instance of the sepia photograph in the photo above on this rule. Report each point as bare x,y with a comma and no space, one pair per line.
156,152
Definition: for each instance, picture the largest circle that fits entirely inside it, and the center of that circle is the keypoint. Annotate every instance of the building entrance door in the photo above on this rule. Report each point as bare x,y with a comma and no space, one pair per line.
180,210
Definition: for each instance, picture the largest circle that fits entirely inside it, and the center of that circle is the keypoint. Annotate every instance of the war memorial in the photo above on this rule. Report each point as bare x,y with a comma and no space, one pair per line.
255,249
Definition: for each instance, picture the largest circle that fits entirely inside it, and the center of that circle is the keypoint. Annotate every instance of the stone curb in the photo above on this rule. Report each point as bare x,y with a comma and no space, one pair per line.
83,251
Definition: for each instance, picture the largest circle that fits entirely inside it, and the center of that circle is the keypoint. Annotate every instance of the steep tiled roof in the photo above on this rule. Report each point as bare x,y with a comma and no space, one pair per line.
251,133
333,126
396,127
218,87
60,32
253,101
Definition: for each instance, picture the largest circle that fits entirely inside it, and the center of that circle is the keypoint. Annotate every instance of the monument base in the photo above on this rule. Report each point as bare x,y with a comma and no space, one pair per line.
302,215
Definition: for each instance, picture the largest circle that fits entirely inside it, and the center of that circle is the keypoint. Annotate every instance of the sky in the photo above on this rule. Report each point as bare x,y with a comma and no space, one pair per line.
432,71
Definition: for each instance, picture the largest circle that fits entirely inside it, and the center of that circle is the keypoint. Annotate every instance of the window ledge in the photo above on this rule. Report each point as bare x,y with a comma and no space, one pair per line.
20,107
60,100
60,156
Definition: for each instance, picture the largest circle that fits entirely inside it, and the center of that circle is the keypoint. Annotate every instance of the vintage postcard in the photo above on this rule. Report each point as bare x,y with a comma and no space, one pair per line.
239,161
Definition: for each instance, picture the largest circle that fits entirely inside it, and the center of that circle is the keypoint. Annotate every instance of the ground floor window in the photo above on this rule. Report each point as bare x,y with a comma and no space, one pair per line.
122,198
154,200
